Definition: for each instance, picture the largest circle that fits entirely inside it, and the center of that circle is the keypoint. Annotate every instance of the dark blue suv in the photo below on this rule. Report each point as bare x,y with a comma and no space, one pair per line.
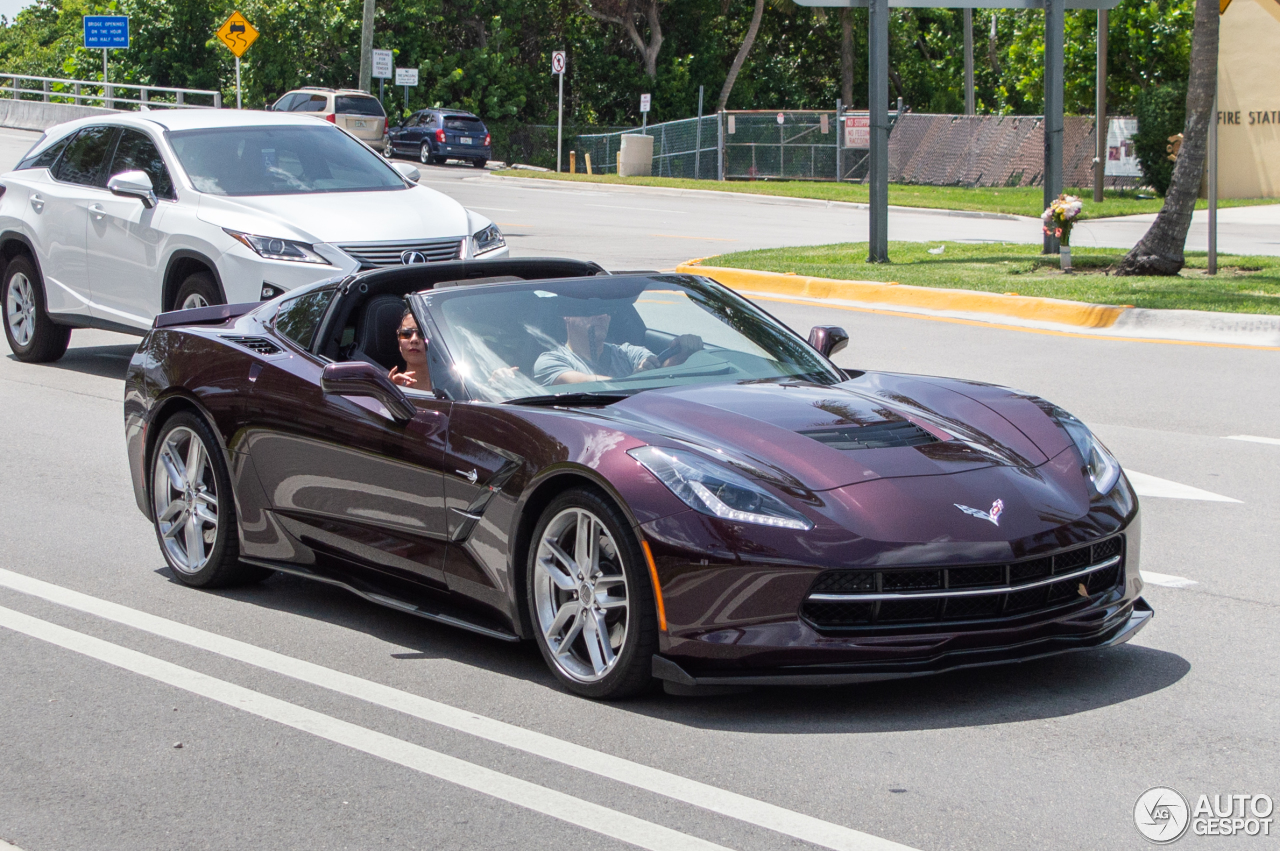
436,135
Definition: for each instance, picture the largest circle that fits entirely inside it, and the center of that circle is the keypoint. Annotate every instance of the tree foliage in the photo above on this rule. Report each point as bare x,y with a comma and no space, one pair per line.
494,56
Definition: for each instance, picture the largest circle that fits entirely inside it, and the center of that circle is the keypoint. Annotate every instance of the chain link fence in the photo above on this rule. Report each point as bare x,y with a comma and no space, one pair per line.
685,148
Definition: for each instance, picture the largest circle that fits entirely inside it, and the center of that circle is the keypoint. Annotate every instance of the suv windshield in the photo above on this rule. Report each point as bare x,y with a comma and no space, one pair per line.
280,161
357,106
613,336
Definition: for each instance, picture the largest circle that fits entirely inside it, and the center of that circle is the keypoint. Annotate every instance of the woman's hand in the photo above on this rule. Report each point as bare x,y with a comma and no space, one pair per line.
404,379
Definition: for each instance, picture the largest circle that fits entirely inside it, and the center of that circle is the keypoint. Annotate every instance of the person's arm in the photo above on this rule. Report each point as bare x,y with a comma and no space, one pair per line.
554,367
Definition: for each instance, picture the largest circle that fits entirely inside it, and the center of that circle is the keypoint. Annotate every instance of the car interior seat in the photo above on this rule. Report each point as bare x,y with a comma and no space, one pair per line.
376,340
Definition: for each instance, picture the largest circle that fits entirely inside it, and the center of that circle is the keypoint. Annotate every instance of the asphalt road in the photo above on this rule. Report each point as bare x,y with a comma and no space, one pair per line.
345,753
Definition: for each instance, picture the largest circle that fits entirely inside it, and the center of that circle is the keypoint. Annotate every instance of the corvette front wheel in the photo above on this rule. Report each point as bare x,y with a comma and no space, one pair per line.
590,598
193,508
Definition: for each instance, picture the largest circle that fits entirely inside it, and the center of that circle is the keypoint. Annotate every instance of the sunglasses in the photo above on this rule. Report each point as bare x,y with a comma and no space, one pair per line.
409,334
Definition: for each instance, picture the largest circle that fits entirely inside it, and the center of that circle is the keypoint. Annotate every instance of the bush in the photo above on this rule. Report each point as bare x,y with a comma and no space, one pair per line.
1161,113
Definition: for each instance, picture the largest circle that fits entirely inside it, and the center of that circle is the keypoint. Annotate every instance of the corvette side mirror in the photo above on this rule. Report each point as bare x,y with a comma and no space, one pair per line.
828,339
133,184
357,378
409,172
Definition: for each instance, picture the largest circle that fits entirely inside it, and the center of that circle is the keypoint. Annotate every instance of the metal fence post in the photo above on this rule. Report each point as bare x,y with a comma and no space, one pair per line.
697,144
46,91
720,146
217,100
143,95
76,94
839,141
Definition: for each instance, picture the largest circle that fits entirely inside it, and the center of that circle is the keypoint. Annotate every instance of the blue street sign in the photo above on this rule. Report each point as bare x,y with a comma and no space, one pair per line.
106,31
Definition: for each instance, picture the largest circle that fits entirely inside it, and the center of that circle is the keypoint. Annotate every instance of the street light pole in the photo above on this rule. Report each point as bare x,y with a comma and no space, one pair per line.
1100,124
878,104
1054,35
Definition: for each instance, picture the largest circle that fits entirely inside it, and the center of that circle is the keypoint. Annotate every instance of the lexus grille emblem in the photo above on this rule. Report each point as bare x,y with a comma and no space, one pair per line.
412,258
993,515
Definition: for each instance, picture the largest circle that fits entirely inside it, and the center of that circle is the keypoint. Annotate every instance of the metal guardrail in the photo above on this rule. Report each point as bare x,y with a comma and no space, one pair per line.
58,90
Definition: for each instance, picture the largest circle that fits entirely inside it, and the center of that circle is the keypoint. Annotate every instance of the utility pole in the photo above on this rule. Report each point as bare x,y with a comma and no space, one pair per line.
878,94
1100,124
366,47
1054,35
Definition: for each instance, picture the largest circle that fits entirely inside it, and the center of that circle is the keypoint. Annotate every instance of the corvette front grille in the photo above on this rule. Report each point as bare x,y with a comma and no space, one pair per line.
897,597
371,254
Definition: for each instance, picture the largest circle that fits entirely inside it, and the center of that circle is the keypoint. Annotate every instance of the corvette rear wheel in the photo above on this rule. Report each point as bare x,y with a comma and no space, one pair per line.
590,598
193,507
32,335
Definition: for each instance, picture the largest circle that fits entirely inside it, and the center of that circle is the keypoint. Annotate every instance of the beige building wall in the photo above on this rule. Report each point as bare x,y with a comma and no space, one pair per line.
1249,100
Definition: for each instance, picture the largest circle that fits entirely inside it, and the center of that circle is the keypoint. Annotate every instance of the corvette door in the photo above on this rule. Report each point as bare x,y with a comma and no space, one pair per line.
59,217
363,493
125,241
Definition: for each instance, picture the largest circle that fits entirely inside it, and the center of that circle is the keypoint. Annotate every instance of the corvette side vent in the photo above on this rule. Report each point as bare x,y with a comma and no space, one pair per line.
261,345
882,435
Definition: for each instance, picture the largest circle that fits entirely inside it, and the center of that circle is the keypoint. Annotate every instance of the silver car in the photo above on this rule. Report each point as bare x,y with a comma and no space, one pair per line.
359,113
108,221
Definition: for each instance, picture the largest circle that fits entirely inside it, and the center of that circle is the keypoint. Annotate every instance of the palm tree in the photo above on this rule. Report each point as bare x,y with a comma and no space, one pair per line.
1159,252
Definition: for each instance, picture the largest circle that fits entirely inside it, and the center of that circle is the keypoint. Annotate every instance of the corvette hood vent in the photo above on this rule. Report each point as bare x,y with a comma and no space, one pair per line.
882,435
261,345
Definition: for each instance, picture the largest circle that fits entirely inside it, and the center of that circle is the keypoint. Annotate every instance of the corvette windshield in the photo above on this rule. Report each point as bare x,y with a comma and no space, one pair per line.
610,337
286,160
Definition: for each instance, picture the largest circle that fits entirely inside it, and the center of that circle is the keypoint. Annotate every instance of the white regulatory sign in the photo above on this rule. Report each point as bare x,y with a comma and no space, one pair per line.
406,76
557,62
382,64
644,103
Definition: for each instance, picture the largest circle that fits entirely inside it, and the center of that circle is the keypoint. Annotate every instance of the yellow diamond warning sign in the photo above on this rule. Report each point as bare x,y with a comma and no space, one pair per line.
237,34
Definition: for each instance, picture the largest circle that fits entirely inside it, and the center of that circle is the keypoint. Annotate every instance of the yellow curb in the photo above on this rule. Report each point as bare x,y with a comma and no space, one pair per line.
873,292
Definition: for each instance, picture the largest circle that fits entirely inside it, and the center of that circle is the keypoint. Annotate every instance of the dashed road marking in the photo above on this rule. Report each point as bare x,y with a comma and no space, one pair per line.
1166,580
1252,439
1145,485
655,780
522,793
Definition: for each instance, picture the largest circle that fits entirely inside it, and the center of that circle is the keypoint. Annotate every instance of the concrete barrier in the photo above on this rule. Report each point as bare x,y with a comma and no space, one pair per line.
635,157
38,115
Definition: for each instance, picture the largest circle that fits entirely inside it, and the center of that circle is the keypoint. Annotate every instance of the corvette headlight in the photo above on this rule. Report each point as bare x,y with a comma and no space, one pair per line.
277,249
715,490
489,239
1103,468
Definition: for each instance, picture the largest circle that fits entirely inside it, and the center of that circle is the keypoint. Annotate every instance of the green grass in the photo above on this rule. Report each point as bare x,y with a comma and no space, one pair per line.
1242,285
1015,200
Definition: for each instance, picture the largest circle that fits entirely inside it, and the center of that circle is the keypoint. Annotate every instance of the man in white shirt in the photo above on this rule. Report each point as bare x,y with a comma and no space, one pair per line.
585,356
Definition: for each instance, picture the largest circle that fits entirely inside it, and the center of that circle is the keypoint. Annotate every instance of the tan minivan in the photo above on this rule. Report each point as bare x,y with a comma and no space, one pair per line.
357,112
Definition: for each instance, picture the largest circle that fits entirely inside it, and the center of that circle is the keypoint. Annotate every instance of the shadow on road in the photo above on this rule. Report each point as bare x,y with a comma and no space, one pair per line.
103,361
1036,690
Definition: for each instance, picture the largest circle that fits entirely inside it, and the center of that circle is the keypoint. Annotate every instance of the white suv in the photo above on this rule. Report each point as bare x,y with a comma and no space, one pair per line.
108,221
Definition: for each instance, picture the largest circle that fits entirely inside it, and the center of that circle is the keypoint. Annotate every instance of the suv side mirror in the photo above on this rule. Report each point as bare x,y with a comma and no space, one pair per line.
357,378
828,339
133,184
408,171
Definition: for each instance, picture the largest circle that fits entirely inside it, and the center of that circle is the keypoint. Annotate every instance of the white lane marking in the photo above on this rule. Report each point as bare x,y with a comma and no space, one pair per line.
5,846
641,776
1146,485
638,209
1166,580
567,808
1274,441
499,209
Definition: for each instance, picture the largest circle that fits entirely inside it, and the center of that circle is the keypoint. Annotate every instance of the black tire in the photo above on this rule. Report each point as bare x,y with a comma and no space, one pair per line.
198,287
217,562
32,335
479,163
620,555
424,154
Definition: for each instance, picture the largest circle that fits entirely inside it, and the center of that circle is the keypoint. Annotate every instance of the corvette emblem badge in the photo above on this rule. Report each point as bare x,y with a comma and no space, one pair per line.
993,515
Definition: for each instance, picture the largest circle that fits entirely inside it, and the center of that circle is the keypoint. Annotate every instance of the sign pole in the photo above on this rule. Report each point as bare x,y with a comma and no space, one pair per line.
237,82
560,122
878,97
969,108
1101,127
1054,35
105,93
1213,182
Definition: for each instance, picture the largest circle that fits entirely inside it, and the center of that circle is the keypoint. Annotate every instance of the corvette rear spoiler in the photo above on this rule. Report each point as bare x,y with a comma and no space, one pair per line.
212,315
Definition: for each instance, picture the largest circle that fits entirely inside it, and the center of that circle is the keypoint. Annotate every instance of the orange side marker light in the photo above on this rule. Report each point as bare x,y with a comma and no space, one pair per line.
657,587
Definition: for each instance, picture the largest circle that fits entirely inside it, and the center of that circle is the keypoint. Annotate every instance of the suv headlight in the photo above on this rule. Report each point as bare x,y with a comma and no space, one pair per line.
489,239
715,490
1103,468
277,249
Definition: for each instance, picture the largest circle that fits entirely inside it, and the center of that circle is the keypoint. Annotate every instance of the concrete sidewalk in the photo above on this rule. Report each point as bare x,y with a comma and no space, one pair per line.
1241,230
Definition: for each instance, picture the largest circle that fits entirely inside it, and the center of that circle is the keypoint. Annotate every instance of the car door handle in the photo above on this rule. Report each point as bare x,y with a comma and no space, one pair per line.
98,211
37,203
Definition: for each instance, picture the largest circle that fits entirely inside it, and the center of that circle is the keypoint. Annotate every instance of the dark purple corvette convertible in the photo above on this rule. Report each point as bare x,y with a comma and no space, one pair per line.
644,473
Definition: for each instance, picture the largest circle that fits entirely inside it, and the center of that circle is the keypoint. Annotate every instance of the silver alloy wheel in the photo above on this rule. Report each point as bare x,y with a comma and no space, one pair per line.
580,593
193,301
185,499
20,309
424,153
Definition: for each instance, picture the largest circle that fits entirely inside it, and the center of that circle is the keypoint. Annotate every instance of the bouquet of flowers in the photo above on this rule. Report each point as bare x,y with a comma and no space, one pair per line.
1060,216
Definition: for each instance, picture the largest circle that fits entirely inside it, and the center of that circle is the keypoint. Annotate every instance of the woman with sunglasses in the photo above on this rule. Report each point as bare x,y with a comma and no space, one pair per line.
413,348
